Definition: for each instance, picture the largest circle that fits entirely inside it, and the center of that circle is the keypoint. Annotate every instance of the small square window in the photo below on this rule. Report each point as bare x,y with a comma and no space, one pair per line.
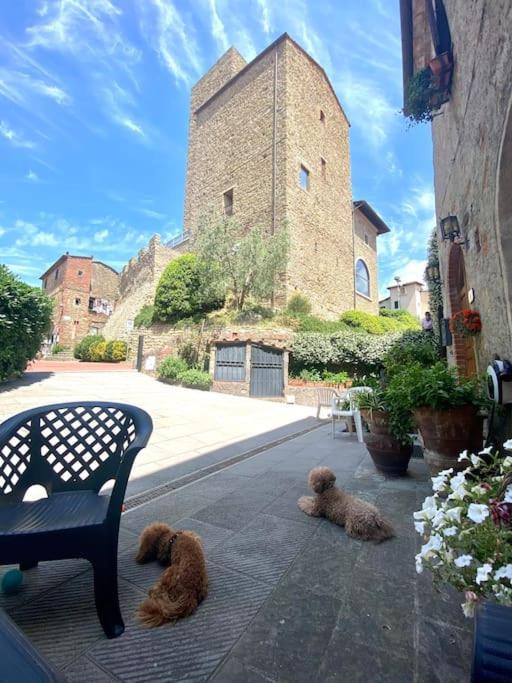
322,116
323,164
78,301
366,240
228,203
396,304
44,284
80,273
304,178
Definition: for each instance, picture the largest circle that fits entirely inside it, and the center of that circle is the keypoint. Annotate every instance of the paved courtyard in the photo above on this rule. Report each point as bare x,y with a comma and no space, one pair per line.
192,429
291,598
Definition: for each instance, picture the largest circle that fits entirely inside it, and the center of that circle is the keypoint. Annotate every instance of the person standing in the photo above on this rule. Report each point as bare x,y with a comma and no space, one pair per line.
426,324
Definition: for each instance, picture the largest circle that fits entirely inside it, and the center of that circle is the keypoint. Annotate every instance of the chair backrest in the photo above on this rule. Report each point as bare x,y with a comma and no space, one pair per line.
326,395
67,446
352,393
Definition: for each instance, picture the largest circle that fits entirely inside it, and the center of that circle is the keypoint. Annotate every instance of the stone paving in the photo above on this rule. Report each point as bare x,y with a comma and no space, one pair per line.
291,599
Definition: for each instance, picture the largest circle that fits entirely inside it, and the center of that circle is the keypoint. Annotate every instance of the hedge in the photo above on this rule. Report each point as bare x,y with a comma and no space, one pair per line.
25,317
385,322
354,352
171,367
195,379
95,348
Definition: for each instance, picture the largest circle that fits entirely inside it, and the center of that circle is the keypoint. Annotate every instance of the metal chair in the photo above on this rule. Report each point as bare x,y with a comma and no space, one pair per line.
325,397
72,450
352,413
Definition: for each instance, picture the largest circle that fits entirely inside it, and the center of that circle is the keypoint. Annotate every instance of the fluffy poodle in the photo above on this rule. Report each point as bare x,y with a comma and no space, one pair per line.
360,519
183,585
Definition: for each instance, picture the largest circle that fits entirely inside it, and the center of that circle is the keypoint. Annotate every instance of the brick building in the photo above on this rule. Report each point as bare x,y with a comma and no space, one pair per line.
472,138
269,144
84,292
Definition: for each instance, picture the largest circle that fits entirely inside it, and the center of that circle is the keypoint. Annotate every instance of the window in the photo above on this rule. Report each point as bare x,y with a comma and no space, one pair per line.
228,203
80,273
304,178
323,164
366,240
44,283
322,116
57,273
362,278
78,301
396,304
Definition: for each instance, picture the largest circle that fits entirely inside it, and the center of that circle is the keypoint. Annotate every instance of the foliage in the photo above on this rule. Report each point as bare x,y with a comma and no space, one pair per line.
438,387
145,317
423,351
195,379
180,292
420,92
171,367
382,323
94,348
467,526
58,348
408,320
435,292
298,304
238,264
25,316
466,322
189,353
310,323
400,420
334,377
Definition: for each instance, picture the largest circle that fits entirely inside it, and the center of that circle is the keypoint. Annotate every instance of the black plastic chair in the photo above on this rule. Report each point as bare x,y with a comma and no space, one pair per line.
72,449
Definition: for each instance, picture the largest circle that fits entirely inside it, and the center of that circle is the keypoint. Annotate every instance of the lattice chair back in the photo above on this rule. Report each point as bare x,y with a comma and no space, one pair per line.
68,447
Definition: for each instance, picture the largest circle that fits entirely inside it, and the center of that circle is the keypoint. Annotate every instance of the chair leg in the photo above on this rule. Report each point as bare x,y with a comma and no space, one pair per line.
106,593
25,566
359,426
332,422
318,411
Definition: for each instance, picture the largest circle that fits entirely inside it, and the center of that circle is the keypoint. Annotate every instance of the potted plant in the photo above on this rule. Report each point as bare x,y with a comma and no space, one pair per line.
420,92
441,67
447,411
467,529
389,420
466,322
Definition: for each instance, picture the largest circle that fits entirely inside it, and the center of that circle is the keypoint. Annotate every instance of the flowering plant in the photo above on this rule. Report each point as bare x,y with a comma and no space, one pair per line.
467,526
466,322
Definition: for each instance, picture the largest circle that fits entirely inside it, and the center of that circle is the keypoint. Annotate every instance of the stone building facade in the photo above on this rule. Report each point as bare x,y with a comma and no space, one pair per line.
269,144
472,137
407,296
84,292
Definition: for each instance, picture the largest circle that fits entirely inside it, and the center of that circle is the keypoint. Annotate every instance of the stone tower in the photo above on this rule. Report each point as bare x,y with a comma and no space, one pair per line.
269,143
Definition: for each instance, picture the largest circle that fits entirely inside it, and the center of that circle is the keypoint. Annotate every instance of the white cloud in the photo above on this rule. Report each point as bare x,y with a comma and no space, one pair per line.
152,214
15,138
411,270
32,176
265,16
218,29
117,103
101,235
2,231
20,87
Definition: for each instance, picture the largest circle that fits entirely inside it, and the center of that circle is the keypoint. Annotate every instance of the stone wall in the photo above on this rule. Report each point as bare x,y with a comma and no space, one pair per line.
365,248
104,282
137,285
468,136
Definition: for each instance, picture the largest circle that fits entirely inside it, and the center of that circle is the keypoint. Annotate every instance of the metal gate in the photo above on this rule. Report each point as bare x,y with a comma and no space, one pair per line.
230,362
266,372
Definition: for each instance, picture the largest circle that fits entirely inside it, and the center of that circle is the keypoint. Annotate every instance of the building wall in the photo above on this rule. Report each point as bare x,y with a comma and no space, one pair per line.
410,297
252,137
467,138
365,232
104,282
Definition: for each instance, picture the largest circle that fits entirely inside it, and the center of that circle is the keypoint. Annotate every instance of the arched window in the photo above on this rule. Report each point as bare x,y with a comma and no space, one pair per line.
362,278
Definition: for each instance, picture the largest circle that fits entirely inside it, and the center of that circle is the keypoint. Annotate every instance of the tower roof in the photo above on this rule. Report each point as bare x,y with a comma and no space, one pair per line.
372,216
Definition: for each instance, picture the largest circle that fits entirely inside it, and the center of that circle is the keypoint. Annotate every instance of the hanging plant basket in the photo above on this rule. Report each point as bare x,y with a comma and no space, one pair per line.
441,67
466,322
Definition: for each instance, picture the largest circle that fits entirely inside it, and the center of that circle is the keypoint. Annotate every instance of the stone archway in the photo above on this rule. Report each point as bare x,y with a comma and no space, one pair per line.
504,212
457,289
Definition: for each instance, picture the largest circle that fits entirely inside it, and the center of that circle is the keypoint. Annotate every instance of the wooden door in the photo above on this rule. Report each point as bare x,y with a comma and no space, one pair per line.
465,346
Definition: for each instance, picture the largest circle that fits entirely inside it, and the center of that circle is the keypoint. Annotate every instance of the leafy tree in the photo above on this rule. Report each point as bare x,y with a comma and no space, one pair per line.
298,304
25,317
182,291
435,296
237,263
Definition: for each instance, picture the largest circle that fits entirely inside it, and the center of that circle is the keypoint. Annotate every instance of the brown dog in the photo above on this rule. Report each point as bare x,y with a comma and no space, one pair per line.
183,585
360,519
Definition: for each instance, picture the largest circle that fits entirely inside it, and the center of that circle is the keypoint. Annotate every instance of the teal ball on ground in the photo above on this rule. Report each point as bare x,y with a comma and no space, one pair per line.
12,581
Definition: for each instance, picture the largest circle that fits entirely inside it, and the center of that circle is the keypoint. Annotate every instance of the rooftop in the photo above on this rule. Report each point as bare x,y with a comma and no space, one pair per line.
374,218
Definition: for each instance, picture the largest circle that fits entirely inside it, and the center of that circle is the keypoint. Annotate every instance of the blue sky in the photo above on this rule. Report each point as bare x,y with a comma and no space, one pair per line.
93,118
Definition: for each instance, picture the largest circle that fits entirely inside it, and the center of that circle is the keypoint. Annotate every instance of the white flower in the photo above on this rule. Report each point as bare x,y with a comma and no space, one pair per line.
439,482
446,473
420,527
507,462
508,445
475,460
450,531
458,493
486,451
463,456
453,514
431,547
438,519
468,608
477,513
419,564
479,489
463,561
483,572
508,494
504,572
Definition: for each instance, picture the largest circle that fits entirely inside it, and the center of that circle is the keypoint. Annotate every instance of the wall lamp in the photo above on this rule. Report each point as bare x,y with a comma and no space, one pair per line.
450,230
433,275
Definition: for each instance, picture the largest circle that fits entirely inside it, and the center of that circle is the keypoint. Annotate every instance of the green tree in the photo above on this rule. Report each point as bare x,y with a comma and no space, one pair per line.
240,264
435,296
181,292
25,317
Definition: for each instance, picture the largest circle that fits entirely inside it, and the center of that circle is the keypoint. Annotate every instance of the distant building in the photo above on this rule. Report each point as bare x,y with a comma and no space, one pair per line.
407,296
84,292
269,145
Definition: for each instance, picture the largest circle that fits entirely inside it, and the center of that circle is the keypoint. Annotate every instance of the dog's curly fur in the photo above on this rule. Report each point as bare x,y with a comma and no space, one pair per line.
183,585
360,519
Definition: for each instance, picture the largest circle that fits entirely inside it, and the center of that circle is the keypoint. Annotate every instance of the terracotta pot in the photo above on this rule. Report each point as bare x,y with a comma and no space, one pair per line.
389,455
441,67
446,433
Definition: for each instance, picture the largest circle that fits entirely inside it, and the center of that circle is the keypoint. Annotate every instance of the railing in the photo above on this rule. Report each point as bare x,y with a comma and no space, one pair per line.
178,240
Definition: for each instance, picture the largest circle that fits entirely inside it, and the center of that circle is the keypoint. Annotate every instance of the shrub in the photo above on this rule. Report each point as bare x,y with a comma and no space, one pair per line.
145,317
58,348
424,351
298,304
171,367
403,318
334,377
25,315
189,353
180,291
116,351
195,379
386,321
420,91
98,352
83,349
